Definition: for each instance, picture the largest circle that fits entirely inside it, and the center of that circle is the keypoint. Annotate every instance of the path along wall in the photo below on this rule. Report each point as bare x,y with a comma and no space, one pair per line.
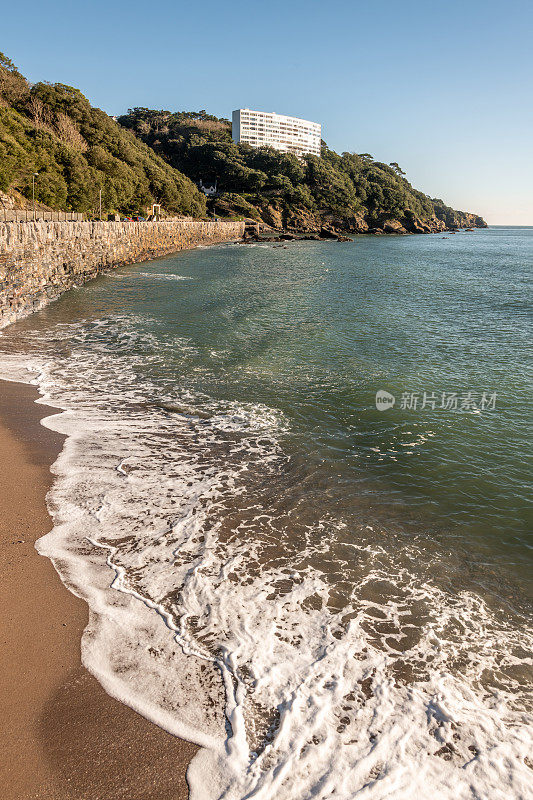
41,260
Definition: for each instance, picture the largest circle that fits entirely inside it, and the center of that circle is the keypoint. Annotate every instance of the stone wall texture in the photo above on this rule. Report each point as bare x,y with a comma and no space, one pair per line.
41,260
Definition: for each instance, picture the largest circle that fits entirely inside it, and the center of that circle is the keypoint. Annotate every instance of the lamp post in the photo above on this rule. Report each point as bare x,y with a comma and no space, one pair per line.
33,192
100,200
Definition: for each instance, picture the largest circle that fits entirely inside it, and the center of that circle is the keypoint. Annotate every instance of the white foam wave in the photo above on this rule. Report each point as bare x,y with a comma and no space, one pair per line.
122,275
164,276
308,659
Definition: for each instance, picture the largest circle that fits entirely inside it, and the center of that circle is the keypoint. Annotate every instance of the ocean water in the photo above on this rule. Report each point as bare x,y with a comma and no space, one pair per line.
333,599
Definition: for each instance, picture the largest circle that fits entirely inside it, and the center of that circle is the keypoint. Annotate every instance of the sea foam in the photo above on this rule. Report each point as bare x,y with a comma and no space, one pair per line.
308,657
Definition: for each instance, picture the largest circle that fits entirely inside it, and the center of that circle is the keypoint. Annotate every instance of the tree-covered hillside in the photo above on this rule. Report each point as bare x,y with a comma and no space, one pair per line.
159,156
77,150
349,191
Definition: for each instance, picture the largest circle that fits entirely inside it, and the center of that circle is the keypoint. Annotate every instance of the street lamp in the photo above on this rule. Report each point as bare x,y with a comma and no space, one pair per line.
100,196
33,192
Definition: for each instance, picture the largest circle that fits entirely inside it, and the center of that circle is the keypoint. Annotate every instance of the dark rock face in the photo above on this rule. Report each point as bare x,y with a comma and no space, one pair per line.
412,224
281,224
327,232
273,217
393,226
458,219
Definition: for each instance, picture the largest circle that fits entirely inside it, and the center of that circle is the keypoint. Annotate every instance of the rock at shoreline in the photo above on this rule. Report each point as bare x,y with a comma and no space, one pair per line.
328,232
393,226
303,225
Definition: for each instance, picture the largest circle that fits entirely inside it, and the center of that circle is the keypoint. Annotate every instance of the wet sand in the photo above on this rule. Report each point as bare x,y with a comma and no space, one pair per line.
63,736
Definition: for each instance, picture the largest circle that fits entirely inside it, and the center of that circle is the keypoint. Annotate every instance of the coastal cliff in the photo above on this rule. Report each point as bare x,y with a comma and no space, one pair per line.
299,221
345,193
69,157
41,260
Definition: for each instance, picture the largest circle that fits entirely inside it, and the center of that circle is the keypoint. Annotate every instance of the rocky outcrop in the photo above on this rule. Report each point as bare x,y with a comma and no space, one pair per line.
328,232
392,226
452,220
471,221
320,224
272,217
41,260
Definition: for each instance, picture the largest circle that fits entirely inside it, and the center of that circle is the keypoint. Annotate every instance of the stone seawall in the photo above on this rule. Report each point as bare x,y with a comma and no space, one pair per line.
41,260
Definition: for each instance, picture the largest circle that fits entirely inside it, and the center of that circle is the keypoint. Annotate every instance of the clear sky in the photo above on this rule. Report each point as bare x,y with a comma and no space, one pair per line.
445,89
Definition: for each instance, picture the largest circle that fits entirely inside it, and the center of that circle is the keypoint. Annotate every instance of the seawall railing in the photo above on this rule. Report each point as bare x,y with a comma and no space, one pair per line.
26,215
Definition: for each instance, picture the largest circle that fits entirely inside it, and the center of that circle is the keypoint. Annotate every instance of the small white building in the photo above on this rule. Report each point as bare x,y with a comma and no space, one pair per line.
289,134
209,189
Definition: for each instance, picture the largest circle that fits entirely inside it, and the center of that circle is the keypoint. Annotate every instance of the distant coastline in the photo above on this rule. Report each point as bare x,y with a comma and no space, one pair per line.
186,162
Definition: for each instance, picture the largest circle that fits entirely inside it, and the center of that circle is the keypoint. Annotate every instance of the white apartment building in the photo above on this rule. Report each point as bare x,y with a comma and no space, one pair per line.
290,134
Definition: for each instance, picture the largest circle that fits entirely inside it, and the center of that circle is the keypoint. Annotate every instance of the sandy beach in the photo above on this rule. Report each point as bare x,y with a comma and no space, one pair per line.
63,736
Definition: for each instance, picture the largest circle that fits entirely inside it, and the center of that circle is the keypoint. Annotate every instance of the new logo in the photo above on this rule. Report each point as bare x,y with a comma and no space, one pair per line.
384,400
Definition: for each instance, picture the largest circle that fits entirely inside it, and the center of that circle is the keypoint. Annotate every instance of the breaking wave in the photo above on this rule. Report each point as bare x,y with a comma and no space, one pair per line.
240,600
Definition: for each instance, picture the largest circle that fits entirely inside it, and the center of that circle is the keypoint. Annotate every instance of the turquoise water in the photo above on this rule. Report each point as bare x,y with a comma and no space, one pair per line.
316,329
262,363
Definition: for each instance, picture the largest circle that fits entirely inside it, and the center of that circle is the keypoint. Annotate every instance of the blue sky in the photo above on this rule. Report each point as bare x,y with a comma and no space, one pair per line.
444,89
